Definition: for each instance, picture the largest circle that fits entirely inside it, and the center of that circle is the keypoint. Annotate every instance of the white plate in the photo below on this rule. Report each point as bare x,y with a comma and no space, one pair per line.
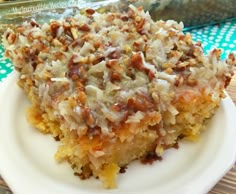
28,166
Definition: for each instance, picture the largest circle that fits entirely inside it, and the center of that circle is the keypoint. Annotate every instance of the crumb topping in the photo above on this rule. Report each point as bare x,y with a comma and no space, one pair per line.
97,71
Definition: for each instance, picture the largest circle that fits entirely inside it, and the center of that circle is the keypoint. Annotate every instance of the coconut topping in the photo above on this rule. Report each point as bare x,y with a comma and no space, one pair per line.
99,70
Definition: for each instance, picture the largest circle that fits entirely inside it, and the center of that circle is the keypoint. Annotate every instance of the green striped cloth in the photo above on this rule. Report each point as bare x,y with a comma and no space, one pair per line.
218,36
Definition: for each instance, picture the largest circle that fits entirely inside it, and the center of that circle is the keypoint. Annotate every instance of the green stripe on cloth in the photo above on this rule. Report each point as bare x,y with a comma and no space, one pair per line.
221,36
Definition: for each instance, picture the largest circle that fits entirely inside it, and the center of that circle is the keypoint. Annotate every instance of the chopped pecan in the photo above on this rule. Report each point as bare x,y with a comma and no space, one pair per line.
97,44
110,17
115,76
65,48
137,62
227,81
198,43
151,75
182,37
84,27
217,53
114,65
71,61
49,38
140,24
93,131
98,58
30,37
88,116
114,54
181,66
90,11
73,72
20,29
8,34
124,18
179,81
25,51
118,107
82,96
54,27
33,23
11,37
76,43
137,21
111,63
191,82
172,33
142,102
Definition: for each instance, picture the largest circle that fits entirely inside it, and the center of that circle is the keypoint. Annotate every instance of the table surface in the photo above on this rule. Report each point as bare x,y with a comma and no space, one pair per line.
227,185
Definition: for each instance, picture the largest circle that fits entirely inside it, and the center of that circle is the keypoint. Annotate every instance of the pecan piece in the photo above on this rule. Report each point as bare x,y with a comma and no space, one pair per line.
90,11
124,18
139,25
227,81
88,116
179,81
98,58
115,76
142,102
54,27
33,23
11,38
84,27
137,61
114,54
191,82
118,107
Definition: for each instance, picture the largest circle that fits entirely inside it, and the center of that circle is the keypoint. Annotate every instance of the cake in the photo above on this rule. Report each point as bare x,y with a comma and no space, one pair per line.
115,87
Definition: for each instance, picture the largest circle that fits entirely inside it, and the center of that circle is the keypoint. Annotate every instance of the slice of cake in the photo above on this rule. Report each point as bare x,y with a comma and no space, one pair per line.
115,87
